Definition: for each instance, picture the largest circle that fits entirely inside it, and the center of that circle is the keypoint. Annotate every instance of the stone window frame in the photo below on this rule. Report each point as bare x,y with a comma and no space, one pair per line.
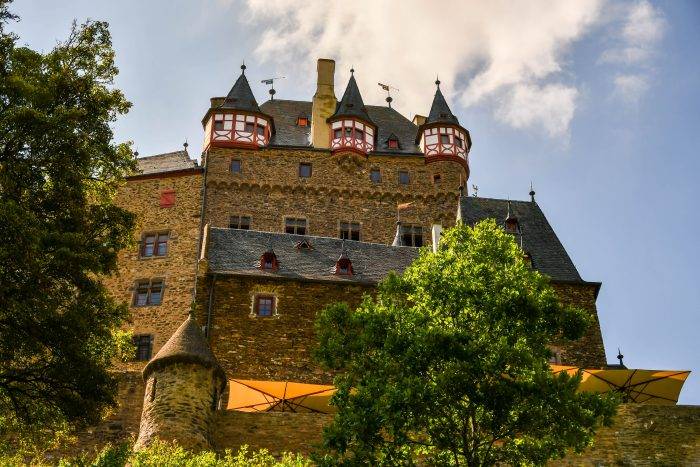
295,218
157,234
401,174
148,283
437,179
350,224
378,171
146,340
254,308
416,231
240,165
305,165
240,221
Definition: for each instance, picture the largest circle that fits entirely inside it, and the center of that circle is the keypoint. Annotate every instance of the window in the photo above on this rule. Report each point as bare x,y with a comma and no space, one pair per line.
154,244
264,305
412,235
239,222
295,226
249,127
348,131
350,231
260,129
219,125
167,198
375,175
393,143
302,121
235,166
144,347
148,292
343,267
459,142
305,170
445,139
359,134
268,261
437,178
337,133
403,177
512,225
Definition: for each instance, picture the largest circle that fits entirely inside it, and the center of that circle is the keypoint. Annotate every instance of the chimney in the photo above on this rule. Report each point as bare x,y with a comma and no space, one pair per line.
324,103
418,120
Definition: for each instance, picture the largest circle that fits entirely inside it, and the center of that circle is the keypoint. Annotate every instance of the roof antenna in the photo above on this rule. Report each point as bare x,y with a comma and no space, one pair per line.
271,82
532,193
388,89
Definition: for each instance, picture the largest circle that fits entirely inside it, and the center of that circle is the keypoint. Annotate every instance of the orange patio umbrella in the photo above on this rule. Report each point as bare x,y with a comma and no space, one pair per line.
279,396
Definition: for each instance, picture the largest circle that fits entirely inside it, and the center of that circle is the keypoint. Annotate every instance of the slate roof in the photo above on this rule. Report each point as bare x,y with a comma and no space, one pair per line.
238,252
351,104
387,120
440,111
538,238
167,162
241,97
187,345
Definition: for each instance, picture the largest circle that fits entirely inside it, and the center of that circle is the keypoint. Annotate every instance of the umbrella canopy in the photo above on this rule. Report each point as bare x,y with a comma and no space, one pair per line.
279,396
641,386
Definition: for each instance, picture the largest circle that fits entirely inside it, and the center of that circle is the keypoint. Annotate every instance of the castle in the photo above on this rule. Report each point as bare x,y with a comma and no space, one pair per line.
295,205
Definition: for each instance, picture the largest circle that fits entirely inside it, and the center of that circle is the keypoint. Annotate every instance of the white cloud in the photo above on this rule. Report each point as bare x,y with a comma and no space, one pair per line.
509,54
630,88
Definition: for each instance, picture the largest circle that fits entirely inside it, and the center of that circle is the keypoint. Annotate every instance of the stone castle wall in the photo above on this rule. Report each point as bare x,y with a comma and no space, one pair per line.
141,195
269,188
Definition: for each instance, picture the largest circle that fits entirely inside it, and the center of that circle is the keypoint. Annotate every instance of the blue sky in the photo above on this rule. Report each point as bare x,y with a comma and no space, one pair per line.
597,103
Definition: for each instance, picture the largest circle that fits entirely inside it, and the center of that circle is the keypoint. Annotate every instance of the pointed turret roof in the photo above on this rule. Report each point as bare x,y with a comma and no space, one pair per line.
241,97
440,112
398,240
187,345
351,105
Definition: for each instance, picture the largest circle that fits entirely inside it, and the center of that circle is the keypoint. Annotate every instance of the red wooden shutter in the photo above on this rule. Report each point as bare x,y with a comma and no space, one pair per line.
167,198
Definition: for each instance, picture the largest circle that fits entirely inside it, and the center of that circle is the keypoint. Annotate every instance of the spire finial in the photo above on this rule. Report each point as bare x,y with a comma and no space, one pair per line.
185,144
243,67
352,70
136,153
437,81
532,193
620,356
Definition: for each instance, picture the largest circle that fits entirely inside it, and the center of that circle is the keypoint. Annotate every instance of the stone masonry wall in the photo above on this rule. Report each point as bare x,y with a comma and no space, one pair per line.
177,405
142,196
588,351
269,188
276,348
642,435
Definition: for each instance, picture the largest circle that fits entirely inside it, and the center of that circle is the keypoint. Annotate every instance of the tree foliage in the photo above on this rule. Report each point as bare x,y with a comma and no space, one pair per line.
449,363
59,230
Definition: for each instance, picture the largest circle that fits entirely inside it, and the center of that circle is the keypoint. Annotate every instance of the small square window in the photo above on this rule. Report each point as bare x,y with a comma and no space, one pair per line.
350,231
302,121
249,127
167,198
154,244
445,139
260,129
412,235
264,305
403,177
337,133
459,142
393,143
236,166
219,125
239,222
305,170
359,134
437,178
144,347
375,176
348,132
148,293
295,226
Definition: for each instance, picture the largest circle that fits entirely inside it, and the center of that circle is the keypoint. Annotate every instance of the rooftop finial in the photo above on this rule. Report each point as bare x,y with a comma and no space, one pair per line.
185,144
352,70
437,81
136,153
532,193
243,67
620,356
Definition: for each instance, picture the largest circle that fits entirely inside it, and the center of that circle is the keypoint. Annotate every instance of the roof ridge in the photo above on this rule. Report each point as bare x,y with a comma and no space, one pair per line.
181,151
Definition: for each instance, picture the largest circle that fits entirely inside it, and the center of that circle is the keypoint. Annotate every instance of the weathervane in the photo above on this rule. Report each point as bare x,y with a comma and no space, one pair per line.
388,89
271,82
475,189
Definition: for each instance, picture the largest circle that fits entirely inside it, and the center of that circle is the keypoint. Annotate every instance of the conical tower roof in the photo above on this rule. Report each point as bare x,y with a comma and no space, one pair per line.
187,345
351,105
241,97
440,112
398,240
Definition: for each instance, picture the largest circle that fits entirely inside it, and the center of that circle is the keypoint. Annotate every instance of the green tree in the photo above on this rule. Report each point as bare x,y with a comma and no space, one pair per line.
59,230
449,363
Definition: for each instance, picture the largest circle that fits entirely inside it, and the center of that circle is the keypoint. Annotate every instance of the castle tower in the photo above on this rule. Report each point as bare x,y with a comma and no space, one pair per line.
441,137
184,383
351,127
236,120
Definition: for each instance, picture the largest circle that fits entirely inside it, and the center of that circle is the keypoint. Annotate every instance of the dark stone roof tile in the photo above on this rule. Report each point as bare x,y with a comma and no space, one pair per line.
167,162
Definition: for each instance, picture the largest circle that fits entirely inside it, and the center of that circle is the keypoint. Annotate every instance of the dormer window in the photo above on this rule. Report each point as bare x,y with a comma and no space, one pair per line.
512,225
393,143
302,120
304,245
268,261
343,267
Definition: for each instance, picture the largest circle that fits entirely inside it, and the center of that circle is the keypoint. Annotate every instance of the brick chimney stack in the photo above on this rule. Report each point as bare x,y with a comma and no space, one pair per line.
324,103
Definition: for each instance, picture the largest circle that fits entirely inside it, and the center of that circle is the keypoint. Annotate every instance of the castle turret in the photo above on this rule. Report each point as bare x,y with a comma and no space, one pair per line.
351,127
441,137
184,383
236,120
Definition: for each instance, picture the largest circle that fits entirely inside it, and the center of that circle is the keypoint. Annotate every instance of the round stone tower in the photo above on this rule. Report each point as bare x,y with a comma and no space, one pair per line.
184,382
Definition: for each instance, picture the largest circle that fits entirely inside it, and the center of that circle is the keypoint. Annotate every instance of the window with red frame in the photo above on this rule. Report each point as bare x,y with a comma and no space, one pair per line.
264,305
268,261
167,198
249,127
302,121
343,267
393,143
445,139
